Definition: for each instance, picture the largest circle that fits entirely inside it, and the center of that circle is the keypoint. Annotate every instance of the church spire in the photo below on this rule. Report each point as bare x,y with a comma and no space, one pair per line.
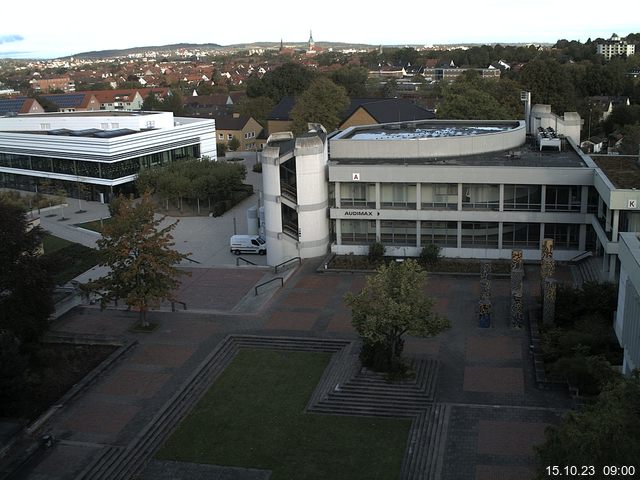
311,42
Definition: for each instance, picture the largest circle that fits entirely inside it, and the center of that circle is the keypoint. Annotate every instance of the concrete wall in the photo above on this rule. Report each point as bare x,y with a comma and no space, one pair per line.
344,147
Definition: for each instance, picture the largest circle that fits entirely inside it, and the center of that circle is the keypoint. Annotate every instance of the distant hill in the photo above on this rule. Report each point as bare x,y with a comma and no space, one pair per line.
211,46
136,50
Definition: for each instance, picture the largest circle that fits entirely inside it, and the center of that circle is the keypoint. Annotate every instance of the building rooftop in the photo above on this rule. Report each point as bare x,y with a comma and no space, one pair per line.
526,155
622,171
95,113
404,132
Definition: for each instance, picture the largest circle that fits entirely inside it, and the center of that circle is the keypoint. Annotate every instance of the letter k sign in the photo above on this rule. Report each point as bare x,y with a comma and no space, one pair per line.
355,177
632,203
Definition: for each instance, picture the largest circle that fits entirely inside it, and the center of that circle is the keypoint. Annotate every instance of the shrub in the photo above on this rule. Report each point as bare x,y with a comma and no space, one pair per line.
376,252
257,167
429,255
587,373
221,149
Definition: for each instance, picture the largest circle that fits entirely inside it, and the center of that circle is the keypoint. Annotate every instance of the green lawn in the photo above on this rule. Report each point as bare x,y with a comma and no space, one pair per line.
68,259
253,416
95,225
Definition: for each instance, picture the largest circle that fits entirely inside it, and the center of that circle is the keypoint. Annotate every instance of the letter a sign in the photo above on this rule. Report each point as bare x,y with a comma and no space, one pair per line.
355,177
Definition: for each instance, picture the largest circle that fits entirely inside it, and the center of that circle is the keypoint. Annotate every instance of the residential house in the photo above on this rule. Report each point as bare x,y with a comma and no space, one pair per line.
608,103
119,99
361,111
73,102
246,129
13,106
46,85
614,47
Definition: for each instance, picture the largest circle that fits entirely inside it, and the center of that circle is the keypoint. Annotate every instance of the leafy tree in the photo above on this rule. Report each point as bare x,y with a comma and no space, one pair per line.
391,304
13,366
258,108
604,433
353,79
26,287
323,102
221,149
289,79
549,83
140,257
471,97
234,144
390,89
151,102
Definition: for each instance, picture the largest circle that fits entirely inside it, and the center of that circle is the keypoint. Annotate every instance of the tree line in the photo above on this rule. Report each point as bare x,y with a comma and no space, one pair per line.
216,185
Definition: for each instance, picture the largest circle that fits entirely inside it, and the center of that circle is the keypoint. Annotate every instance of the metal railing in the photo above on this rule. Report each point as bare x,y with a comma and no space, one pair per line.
173,305
249,262
298,259
268,282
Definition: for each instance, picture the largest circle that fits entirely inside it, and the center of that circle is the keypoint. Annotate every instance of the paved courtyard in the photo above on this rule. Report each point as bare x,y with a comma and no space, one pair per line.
485,376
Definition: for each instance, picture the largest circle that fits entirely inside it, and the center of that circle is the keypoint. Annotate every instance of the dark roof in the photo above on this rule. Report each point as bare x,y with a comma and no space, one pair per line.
383,110
12,105
388,110
66,100
283,109
229,122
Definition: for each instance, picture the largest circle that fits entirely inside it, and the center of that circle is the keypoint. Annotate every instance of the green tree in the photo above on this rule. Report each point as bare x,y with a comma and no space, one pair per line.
26,287
323,102
353,79
258,108
392,304
234,144
602,434
140,256
549,84
289,79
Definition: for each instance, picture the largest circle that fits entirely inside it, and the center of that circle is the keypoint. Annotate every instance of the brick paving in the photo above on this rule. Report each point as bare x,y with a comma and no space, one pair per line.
485,375
493,380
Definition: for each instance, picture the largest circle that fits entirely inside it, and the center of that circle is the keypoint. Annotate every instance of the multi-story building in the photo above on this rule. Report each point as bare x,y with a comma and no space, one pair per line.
245,129
44,85
614,47
102,150
477,189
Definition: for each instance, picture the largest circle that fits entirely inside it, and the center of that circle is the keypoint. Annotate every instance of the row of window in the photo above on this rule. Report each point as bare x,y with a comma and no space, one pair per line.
108,170
445,234
230,136
474,196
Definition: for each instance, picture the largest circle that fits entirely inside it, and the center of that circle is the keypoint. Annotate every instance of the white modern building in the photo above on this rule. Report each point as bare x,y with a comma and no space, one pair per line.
627,321
614,47
104,150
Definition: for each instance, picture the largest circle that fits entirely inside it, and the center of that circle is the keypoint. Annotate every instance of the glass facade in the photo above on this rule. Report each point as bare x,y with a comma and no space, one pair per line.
521,235
479,235
398,232
106,170
522,197
439,196
398,195
563,198
480,197
358,232
565,236
358,195
443,234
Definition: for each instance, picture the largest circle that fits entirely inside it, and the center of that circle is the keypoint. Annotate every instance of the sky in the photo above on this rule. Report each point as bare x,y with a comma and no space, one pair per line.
48,30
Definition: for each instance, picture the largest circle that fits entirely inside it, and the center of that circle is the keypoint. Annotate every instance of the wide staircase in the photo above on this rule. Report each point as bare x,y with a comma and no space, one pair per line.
586,270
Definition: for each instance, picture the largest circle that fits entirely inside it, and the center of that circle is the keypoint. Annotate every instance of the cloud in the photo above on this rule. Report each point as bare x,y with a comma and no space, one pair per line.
10,38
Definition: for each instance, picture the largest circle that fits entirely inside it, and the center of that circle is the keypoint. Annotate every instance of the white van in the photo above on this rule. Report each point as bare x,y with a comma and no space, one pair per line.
248,244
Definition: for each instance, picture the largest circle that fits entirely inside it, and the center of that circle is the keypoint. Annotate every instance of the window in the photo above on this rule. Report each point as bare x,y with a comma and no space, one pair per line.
398,195
398,232
480,197
565,237
358,232
221,136
439,195
362,195
522,197
443,234
563,198
521,235
479,235
229,136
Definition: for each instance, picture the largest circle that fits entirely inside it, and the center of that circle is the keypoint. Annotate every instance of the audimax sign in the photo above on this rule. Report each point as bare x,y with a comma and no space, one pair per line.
361,213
